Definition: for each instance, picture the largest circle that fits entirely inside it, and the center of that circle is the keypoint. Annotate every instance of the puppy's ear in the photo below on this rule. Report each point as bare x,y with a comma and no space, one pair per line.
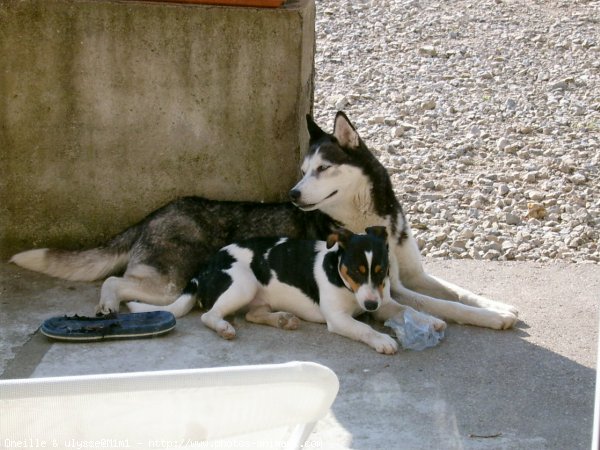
345,132
341,236
313,129
377,231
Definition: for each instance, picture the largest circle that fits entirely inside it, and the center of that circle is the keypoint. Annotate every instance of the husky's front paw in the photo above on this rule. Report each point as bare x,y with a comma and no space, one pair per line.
499,306
511,309
384,343
503,320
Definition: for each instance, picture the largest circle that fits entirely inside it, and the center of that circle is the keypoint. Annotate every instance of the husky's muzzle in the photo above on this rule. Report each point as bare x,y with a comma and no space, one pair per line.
296,198
295,195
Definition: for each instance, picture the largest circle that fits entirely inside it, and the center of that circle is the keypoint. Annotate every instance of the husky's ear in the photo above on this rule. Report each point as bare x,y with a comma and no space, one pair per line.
345,132
341,236
313,129
377,231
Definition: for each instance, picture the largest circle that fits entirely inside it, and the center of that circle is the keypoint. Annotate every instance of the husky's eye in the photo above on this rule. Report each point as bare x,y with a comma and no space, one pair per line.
322,168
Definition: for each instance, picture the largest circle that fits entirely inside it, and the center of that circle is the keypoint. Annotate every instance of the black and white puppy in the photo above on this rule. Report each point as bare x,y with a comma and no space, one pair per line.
282,279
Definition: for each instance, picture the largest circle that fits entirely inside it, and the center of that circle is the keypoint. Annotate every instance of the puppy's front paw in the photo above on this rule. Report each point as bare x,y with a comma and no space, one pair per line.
384,343
437,324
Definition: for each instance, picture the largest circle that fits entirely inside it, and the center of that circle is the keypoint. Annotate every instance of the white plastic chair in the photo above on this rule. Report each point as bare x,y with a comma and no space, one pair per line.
275,405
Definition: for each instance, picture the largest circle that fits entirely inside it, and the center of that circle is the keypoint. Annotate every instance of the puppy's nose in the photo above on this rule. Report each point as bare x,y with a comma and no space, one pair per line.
295,195
371,305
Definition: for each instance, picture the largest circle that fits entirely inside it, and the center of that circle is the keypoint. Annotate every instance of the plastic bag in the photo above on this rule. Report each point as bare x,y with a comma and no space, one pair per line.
414,330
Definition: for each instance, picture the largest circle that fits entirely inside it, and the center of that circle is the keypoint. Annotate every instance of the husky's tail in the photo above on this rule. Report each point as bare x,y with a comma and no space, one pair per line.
179,308
83,265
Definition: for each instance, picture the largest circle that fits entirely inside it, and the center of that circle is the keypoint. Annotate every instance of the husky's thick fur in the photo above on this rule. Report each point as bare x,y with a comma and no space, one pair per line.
343,184
153,260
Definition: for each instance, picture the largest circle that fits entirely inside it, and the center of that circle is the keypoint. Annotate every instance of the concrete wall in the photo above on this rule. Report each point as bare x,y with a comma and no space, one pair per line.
109,109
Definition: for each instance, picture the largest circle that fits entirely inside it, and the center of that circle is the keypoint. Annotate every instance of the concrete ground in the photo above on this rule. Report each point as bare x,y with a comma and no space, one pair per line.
527,388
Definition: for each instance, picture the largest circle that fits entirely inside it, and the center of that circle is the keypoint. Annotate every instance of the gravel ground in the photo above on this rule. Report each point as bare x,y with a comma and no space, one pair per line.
486,114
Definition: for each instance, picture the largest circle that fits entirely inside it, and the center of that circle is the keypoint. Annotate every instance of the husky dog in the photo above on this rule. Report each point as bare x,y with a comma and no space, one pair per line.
319,281
344,180
343,184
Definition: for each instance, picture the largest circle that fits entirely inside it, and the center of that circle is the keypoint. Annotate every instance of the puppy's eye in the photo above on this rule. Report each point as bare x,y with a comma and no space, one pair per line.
322,168
358,274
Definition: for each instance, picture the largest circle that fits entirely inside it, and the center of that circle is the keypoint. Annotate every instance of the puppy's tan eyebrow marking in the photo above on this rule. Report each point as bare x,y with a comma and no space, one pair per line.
354,286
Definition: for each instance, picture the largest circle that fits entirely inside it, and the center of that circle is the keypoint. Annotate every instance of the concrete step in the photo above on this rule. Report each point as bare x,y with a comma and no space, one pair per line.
111,109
